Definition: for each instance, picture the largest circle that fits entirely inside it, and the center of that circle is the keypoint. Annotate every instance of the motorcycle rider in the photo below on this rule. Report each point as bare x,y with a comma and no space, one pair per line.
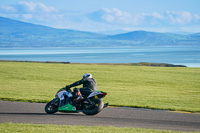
89,86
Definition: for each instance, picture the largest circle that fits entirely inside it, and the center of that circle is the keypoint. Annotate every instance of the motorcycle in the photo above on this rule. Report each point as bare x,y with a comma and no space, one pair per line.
64,102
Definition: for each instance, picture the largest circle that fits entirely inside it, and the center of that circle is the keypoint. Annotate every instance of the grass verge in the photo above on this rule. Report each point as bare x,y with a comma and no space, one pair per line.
172,88
41,128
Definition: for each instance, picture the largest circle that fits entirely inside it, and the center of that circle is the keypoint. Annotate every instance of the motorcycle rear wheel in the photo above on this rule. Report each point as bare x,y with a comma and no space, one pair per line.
51,108
93,109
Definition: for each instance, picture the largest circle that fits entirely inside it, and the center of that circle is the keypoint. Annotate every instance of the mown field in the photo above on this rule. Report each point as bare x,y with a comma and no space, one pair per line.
173,88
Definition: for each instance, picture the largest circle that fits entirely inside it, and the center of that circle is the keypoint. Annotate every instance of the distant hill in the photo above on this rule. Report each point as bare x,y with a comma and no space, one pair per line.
20,34
15,33
154,38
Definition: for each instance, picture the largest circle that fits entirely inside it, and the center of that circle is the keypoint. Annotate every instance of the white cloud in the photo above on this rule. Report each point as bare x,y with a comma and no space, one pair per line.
34,12
31,7
27,10
169,17
115,16
27,16
7,9
99,20
157,15
179,17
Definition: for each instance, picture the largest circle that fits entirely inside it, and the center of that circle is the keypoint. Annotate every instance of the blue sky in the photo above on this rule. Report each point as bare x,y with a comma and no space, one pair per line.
108,16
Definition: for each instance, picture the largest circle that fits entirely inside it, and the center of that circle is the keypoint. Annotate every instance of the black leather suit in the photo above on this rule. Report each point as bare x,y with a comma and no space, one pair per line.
89,85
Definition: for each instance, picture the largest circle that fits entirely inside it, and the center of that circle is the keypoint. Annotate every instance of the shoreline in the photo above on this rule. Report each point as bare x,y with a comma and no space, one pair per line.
127,64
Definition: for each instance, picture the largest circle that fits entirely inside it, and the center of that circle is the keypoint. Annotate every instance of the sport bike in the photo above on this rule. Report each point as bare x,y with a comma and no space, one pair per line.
64,102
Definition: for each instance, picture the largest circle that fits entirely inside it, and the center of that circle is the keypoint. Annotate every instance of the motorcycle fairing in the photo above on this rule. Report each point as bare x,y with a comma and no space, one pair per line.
67,108
97,94
60,94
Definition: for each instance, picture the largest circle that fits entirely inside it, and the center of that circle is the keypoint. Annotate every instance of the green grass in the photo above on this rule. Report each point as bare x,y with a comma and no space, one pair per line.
135,86
39,128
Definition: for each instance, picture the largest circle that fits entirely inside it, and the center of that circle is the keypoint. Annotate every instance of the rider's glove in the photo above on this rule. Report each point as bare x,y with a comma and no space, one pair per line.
67,87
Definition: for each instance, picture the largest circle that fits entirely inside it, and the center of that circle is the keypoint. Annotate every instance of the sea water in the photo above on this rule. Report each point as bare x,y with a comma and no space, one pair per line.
189,56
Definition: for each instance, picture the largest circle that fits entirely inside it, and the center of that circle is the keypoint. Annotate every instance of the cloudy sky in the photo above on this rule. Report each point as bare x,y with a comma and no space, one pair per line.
108,16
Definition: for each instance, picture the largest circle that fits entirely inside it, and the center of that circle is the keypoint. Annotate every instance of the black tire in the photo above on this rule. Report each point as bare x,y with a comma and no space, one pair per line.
94,109
51,108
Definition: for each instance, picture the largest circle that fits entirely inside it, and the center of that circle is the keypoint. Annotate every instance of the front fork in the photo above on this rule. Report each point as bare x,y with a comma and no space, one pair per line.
56,101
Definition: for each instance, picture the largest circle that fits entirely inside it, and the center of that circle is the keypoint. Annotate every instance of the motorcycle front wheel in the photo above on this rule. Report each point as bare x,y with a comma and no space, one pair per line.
51,107
93,109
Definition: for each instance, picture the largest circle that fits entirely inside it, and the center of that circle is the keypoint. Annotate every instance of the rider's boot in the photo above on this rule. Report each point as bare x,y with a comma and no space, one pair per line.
78,99
77,96
88,101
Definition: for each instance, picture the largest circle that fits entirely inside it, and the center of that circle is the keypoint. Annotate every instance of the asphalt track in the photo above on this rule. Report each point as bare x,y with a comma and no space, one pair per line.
20,112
